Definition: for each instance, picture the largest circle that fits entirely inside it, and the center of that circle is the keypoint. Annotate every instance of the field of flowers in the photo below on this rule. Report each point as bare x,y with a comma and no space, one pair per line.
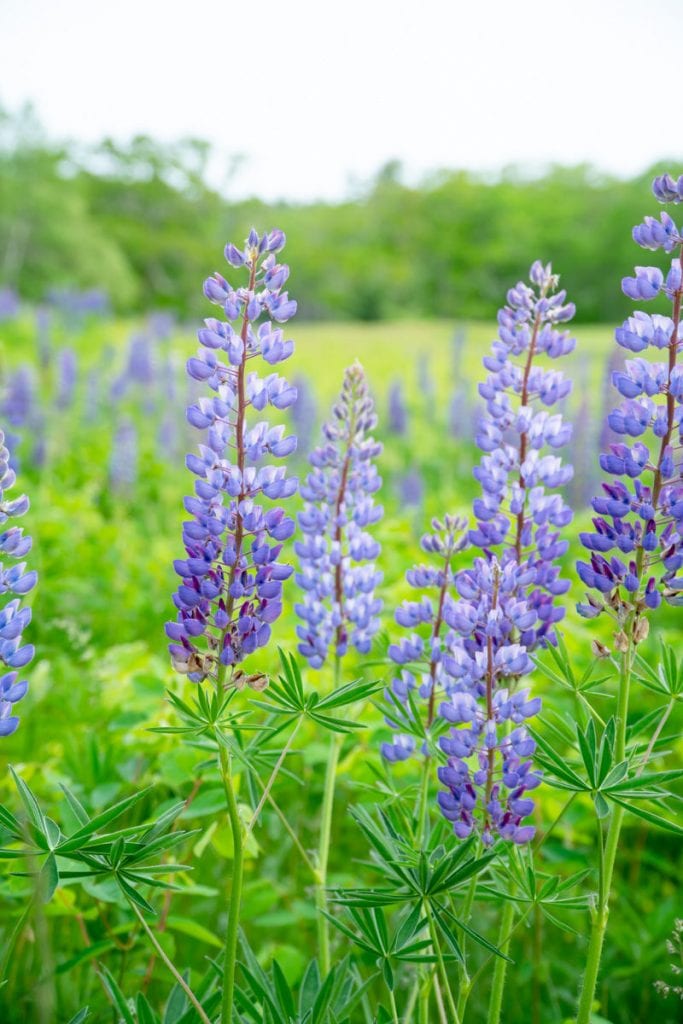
263,840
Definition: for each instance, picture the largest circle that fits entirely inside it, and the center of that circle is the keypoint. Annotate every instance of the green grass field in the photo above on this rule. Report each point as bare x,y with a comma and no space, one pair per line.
104,552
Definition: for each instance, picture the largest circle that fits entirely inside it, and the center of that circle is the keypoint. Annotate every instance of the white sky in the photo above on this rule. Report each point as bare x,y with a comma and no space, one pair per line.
317,95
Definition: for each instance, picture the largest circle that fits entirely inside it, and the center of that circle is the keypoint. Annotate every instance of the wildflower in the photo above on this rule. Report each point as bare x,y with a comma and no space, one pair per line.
13,580
507,600
337,576
421,662
231,580
636,544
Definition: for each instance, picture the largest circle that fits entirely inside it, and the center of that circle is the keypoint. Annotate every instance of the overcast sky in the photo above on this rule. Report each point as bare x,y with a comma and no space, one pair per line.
317,95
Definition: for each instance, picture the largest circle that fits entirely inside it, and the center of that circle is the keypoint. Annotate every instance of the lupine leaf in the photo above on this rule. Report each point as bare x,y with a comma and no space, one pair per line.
117,996
653,819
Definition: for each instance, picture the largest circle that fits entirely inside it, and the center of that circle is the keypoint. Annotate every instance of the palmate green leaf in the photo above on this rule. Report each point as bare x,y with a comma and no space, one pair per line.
49,878
31,805
472,932
9,822
76,839
115,993
176,1004
564,776
350,693
649,780
649,816
134,896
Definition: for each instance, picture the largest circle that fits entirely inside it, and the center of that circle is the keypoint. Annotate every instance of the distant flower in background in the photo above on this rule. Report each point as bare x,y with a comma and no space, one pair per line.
411,489
67,370
422,661
636,545
75,305
304,414
397,418
426,387
230,588
9,304
14,580
507,601
337,574
123,461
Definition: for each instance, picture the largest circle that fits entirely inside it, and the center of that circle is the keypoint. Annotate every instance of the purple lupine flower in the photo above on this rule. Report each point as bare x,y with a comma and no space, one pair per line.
14,579
486,775
18,399
397,417
421,659
67,369
304,414
411,489
123,461
9,304
636,544
507,600
231,580
518,514
337,575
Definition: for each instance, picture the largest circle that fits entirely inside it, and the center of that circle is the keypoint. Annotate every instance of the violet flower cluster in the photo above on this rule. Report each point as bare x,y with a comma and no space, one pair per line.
231,579
14,580
423,662
507,603
636,544
337,574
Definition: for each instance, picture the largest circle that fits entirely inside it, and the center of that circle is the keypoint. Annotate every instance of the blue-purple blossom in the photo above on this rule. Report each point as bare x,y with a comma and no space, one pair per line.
337,574
422,656
67,370
636,544
486,775
397,418
231,579
518,515
14,580
506,605
123,461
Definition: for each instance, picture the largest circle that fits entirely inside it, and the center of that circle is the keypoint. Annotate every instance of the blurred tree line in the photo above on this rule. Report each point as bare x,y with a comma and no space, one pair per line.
140,221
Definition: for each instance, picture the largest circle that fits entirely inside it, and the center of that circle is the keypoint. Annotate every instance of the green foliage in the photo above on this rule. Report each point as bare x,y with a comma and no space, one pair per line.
142,220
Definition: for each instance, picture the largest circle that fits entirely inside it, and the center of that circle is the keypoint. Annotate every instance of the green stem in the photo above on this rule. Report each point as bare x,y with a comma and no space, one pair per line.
394,1009
463,977
455,1017
326,810
231,935
500,968
273,775
608,859
159,949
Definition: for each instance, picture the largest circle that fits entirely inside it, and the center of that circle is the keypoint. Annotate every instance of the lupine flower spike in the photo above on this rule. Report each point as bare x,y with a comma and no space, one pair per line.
14,580
636,544
422,661
337,574
231,580
507,600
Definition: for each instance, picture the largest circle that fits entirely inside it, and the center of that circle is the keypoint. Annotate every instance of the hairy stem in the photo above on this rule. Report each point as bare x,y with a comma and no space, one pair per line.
159,949
235,898
608,858
326,810
500,967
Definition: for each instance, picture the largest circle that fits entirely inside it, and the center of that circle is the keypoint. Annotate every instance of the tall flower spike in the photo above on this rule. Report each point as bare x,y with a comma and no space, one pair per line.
636,544
231,580
336,574
421,660
13,580
516,514
507,600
